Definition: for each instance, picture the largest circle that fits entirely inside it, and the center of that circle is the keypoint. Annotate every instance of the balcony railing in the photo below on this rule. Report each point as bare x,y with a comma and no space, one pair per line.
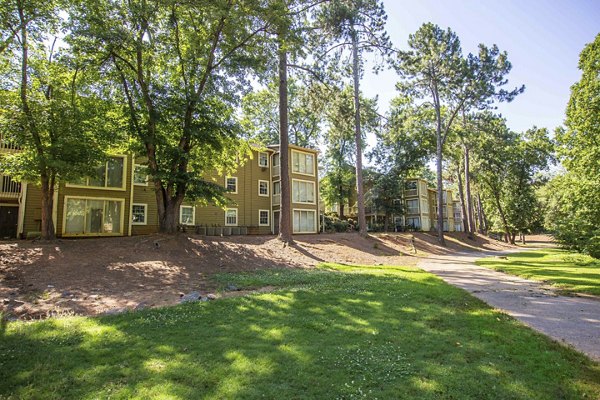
7,145
276,199
276,170
9,188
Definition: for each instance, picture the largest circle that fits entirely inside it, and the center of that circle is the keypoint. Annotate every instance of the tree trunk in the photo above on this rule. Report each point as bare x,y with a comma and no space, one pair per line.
469,203
507,233
386,222
285,226
360,195
47,228
168,212
440,183
483,226
341,210
461,194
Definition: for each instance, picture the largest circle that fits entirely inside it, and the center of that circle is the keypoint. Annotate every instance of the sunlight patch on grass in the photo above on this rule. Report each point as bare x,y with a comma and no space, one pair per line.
569,272
337,332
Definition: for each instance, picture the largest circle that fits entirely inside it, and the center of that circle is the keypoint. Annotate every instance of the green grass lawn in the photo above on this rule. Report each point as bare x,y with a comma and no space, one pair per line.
570,272
339,332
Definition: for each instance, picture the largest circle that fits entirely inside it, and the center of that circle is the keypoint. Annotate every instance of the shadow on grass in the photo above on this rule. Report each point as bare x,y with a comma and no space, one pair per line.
375,332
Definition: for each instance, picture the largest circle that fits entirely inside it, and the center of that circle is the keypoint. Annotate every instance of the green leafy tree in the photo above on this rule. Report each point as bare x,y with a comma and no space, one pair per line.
180,67
385,194
573,207
435,69
49,106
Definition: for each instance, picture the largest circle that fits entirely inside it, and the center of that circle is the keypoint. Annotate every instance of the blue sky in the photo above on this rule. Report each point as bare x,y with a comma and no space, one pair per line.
543,40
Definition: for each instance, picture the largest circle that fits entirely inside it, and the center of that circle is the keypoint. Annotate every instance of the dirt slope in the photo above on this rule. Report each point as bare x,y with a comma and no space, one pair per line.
91,276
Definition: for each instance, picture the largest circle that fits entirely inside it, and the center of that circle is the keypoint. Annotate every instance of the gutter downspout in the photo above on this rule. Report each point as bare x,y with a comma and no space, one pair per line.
131,196
22,202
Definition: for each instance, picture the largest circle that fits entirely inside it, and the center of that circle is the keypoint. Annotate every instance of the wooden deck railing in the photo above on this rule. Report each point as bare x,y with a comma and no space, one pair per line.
9,188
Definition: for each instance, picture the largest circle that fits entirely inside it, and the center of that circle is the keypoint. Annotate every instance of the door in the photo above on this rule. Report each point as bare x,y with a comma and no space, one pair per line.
276,222
9,218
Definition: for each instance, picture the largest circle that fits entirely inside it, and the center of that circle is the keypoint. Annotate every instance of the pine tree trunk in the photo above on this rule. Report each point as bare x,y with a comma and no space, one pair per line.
469,199
461,194
440,183
360,195
341,210
482,220
285,226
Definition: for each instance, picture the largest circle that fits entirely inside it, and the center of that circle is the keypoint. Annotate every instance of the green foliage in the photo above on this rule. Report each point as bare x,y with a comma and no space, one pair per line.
339,331
260,113
573,210
339,184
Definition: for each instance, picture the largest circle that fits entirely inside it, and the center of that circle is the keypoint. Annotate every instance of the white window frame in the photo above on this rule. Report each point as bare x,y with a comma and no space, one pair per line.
236,184
121,222
266,155
304,153
181,207
135,166
408,208
145,213
268,217
266,185
307,210
236,216
276,194
123,179
314,192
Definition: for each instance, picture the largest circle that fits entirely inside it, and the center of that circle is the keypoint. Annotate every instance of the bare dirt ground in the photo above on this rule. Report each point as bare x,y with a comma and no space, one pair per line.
92,276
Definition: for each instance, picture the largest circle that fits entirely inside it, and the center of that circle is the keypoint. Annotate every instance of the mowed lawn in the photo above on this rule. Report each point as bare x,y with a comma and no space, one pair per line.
570,272
338,332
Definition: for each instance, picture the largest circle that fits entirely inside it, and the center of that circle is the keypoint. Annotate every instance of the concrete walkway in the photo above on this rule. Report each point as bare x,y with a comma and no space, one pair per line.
573,320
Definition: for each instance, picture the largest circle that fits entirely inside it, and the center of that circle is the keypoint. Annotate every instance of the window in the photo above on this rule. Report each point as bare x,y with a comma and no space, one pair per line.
303,191
140,175
276,188
138,214
276,160
303,163
263,188
414,223
187,215
109,175
92,216
412,206
263,160
410,186
263,217
231,184
231,217
305,221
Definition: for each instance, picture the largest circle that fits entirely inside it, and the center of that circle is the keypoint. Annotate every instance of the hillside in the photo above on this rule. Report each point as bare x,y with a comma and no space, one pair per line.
91,276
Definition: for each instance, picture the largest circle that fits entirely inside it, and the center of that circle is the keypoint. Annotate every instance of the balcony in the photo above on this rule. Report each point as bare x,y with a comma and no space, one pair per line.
7,145
9,189
276,170
276,199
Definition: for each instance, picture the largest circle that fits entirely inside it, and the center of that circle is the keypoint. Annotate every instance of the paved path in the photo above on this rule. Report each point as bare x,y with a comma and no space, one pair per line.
574,320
